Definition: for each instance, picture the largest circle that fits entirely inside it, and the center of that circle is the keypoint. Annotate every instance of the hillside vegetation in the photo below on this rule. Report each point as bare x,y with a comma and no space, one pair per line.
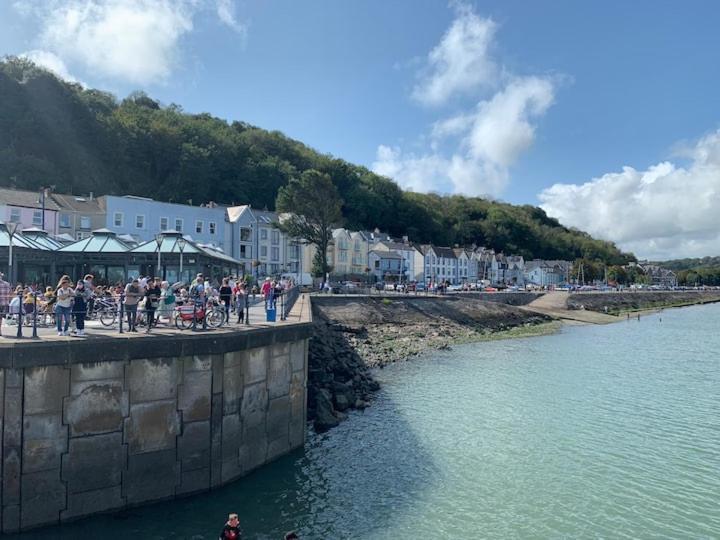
57,133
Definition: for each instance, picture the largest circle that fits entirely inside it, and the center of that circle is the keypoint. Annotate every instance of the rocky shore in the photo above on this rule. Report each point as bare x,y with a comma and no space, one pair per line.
621,302
354,335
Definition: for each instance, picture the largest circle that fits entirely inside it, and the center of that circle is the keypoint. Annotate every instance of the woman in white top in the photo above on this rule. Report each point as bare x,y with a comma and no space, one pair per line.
63,305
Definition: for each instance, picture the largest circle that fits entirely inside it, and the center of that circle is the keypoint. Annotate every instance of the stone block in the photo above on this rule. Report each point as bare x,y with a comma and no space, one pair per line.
45,388
11,518
13,378
216,441
150,476
12,420
92,502
278,382
231,436
197,363
11,476
277,448
231,469
297,396
280,349
232,389
278,418
234,359
97,371
152,427
153,379
2,392
93,463
297,433
256,365
43,497
98,408
218,367
297,355
194,481
253,453
45,439
194,445
194,396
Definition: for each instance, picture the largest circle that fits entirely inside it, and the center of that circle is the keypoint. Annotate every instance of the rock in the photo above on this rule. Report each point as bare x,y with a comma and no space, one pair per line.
341,402
325,417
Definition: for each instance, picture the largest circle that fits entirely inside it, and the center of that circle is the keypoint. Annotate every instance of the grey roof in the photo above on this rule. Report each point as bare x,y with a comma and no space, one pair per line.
39,236
445,252
26,199
19,240
386,254
77,204
399,246
100,241
170,245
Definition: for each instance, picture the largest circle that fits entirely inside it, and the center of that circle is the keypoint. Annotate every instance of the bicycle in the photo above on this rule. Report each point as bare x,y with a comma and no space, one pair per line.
184,316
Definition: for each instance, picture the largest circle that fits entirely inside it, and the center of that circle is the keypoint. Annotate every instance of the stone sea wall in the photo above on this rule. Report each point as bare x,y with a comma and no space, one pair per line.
102,425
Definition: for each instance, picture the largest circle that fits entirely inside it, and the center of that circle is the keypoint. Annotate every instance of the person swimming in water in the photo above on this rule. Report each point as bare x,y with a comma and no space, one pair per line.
231,531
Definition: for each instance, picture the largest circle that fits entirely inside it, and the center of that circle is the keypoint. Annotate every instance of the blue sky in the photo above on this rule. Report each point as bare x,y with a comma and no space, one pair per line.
603,113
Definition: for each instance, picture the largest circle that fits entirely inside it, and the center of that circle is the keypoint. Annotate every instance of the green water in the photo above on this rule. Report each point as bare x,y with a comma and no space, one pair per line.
595,432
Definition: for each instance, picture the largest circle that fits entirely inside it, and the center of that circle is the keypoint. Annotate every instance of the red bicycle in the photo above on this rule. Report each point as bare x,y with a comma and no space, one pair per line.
184,316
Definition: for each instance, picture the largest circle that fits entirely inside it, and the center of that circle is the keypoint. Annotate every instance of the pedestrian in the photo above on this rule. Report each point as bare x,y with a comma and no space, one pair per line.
4,299
240,301
231,531
266,288
152,299
63,305
90,290
167,301
133,292
226,297
80,307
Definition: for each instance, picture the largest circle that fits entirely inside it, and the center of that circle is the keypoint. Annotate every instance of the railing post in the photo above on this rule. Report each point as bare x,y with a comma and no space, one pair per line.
194,321
35,334
282,306
20,315
121,313
247,310
205,313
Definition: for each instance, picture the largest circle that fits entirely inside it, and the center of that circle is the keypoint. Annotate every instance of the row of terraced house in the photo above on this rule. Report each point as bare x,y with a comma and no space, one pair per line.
251,237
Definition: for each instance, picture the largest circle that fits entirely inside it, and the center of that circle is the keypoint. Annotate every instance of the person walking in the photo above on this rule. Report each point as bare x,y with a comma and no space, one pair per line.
241,300
63,305
80,307
133,292
167,301
226,293
5,293
152,299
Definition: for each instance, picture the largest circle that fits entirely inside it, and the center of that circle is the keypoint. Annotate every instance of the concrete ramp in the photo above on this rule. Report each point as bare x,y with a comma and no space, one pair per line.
554,304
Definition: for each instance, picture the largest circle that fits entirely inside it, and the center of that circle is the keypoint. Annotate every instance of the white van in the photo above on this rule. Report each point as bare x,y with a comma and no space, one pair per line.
303,278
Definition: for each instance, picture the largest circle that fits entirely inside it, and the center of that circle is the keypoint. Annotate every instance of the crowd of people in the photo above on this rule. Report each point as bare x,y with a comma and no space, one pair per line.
142,301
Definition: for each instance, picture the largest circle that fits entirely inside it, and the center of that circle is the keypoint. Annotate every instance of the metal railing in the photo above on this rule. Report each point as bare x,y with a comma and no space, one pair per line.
287,301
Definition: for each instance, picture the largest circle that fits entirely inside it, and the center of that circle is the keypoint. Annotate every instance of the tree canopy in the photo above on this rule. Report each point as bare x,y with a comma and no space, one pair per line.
79,140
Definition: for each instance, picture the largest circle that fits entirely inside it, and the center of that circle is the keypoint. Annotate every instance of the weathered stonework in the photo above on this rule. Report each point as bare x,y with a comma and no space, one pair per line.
97,429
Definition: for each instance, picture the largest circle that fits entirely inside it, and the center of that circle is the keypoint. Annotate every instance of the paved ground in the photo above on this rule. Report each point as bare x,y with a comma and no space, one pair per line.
554,304
94,329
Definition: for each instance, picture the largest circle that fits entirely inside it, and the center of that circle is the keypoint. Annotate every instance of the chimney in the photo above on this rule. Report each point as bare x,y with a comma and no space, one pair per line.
406,240
91,196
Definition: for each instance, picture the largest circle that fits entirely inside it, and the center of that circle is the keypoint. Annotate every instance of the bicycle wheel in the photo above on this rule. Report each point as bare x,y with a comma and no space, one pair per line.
182,323
215,318
108,316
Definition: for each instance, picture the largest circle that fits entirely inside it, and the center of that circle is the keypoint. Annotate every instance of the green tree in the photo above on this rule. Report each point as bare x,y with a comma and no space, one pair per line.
314,207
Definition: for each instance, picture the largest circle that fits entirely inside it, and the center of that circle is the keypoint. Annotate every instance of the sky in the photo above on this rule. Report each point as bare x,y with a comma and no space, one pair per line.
604,113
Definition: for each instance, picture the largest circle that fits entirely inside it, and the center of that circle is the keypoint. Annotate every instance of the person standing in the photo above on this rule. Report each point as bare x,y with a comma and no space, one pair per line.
80,307
133,292
63,305
241,299
5,291
226,298
152,298
231,531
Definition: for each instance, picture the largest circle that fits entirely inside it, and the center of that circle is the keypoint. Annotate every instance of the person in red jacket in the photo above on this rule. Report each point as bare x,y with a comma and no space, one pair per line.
231,531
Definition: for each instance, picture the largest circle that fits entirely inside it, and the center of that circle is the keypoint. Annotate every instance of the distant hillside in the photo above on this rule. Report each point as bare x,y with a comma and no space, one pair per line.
690,264
56,133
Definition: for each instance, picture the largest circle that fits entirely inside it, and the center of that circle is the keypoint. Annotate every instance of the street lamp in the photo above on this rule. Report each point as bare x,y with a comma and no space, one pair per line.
12,229
181,246
159,240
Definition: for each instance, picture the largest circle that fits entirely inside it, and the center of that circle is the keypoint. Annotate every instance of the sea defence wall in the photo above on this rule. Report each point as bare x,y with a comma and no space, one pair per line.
103,424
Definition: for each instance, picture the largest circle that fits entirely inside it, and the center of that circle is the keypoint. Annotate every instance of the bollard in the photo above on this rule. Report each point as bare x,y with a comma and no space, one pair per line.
122,310
247,310
205,313
20,316
35,334
282,306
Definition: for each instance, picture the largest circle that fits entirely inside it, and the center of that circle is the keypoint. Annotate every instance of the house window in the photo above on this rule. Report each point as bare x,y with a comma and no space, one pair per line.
342,256
15,215
275,237
199,227
139,221
37,217
245,252
263,251
263,234
211,227
84,222
274,268
245,234
178,224
164,224
79,236
275,254
65,221
118,219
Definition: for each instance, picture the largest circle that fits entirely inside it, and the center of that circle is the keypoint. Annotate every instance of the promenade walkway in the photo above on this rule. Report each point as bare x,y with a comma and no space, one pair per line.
554,304
95,330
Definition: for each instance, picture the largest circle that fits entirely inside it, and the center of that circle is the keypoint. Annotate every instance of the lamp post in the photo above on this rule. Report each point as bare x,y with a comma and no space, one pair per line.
159,240
181,242
12,229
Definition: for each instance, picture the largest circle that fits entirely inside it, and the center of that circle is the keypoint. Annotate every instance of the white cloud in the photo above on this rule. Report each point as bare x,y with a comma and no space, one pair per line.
663,212
137,41
226,13
51,62
461,62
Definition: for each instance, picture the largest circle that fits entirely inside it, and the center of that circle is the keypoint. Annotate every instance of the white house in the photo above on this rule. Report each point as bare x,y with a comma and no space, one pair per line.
412,258
547,273
440,264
